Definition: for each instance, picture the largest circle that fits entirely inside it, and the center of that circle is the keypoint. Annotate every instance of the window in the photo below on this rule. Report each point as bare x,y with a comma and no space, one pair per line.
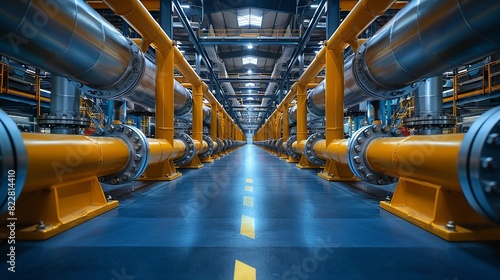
249,17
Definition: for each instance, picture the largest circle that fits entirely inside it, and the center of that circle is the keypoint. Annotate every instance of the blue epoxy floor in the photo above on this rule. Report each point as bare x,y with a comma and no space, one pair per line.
305,228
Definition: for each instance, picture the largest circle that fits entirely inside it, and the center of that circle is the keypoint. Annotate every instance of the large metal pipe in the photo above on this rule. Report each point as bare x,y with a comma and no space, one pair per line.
408,49
87,49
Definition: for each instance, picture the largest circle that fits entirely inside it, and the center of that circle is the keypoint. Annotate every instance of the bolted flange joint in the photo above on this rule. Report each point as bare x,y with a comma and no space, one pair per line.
138,147
356,153
190,151
210,149
309,149
289,149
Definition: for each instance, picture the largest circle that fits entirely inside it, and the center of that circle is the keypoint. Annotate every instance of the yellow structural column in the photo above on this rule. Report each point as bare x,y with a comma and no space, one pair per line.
214,127
164,117
197,125
302,126
334,115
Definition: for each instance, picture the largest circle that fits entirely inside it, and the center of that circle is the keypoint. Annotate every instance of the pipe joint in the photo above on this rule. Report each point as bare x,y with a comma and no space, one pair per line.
138,147
479,164
289,147
128,81
190,149
356,153
309,149
367,82
210,147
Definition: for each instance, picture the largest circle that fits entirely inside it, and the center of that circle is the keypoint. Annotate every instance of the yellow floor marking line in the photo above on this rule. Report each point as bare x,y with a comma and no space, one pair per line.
248,201
247,226
243,271
249,188
248,180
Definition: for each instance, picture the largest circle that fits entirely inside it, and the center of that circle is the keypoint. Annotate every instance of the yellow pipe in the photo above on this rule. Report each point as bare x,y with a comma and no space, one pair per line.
213,122
424,158
336,151
71,157
161,150
301,113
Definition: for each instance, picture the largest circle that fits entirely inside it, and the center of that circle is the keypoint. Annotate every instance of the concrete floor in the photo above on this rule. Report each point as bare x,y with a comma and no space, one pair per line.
256,214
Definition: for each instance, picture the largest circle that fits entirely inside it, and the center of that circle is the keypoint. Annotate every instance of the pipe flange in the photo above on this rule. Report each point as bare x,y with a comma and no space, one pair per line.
186,110
366,81
479,164
440,121
138,147
13,162
219,146
289,149
55,120
309,149
129,80
210,149
279,145
356,153
311,109
190,151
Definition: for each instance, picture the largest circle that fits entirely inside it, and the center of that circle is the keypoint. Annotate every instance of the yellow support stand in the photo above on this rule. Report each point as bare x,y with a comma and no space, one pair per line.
443,212
43,214
162,171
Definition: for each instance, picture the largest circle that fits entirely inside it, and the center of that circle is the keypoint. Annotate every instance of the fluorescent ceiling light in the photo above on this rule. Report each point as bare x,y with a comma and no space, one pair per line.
249,84
314,6
249,71
249,60
250,46
185,6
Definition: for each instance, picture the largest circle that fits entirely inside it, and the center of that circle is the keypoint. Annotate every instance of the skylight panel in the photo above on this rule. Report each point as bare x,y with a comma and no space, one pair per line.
248,17
249,60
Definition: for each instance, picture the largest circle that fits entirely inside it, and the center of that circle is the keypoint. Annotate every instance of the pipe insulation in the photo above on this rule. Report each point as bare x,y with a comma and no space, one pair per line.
70,39
409,48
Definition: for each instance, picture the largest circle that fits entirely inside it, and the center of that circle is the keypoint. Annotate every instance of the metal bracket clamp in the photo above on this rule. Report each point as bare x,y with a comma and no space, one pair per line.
424,121
289,149
479,164
190,151
127,82
366,81
13,162
309,149
356,153
210,149
138,147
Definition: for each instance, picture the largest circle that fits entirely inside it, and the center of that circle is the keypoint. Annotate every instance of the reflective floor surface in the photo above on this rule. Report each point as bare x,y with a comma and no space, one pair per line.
249,214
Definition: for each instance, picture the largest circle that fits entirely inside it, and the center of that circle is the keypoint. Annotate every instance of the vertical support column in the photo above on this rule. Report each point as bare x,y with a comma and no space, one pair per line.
164,115
301,64
286,129
197,127
302,125
197,61
334,115
111,111
214,126
166,19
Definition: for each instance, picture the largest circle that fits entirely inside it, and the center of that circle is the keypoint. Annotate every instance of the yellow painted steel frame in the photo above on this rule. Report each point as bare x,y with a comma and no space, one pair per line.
428,193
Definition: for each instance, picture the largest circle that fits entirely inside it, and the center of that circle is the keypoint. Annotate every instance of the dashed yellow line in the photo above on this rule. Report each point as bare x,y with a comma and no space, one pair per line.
249,188
243,271
248,201
247,226
248,180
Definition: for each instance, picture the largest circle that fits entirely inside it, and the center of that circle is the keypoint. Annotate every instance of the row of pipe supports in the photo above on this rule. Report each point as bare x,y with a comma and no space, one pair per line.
423,196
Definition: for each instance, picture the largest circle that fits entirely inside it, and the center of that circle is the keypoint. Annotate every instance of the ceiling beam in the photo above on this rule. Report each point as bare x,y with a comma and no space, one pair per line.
248,96
248,52
238,41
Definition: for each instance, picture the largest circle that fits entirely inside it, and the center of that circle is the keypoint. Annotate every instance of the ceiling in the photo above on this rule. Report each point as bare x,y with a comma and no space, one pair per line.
248,58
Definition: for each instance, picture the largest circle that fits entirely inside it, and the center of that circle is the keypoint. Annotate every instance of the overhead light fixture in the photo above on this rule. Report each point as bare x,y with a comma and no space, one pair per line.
250,46
249,71
182,51
185,6
314,6
249,84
